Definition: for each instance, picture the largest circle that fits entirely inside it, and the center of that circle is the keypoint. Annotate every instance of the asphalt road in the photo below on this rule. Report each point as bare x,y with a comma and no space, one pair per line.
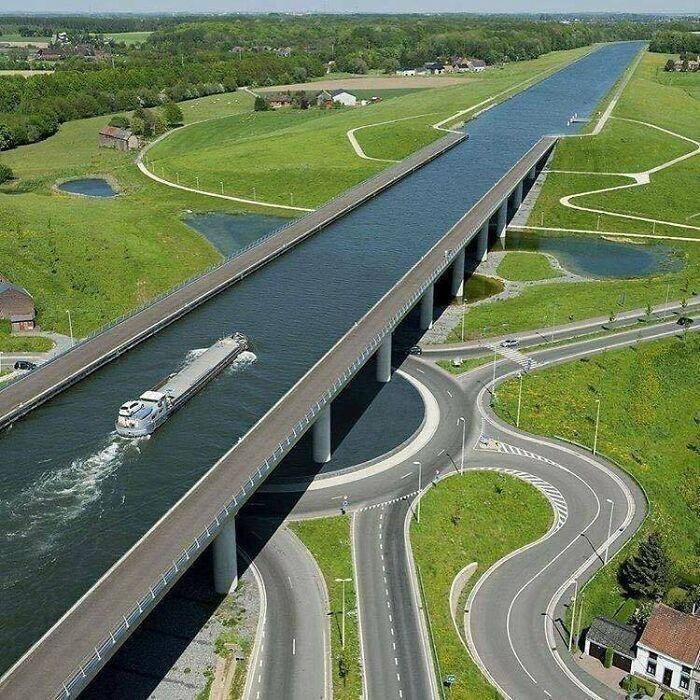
515,619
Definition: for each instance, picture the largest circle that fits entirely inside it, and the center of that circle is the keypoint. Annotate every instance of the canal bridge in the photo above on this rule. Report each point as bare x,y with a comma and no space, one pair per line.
74,649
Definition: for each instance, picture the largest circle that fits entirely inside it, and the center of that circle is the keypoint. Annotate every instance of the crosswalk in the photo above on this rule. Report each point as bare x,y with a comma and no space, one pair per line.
514,355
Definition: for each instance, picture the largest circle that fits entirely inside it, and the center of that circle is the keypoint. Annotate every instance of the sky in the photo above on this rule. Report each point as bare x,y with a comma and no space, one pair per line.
535,6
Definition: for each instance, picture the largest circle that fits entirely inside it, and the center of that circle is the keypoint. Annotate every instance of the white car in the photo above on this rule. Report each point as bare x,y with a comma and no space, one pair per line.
509,343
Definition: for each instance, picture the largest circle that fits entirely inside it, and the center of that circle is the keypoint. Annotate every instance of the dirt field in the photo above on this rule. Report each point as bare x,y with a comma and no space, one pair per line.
25,73
28,42
374,82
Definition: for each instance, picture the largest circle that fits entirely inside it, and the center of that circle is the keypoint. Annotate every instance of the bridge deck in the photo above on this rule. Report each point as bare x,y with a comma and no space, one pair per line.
40,385
72,641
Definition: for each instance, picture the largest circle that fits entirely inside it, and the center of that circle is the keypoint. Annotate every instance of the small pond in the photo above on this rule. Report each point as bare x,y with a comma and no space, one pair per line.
89,186
478,287
231,232
592,256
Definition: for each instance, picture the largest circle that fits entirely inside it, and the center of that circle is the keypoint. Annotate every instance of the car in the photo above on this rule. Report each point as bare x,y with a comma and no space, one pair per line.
24,365
685,321
509,343
416,350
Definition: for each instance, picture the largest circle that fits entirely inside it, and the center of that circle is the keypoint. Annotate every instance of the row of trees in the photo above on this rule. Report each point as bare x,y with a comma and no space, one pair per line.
676,42
147,122
33,108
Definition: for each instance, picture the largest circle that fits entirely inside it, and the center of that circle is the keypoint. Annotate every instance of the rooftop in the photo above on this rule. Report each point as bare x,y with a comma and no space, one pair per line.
673,633
607,632
116,132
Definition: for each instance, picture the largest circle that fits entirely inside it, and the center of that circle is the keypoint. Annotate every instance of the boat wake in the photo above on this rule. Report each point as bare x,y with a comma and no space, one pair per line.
242,361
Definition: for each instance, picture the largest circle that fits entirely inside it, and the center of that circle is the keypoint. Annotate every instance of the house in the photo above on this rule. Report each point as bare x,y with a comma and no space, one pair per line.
606,633
468,65
344,97
121,139
406,71
324,99
434,68
17,305
279,101
668,652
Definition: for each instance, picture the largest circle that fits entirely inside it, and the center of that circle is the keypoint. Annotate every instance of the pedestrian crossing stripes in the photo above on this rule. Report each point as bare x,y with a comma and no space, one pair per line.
389,502
514,355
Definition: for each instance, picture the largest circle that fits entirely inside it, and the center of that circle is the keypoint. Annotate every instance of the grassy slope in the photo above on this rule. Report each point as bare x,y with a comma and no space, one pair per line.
511,512
649,424
308,153
328,539
523,267
98,258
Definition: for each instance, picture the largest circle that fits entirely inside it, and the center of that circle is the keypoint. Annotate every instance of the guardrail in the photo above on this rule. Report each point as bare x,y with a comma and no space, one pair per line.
92,662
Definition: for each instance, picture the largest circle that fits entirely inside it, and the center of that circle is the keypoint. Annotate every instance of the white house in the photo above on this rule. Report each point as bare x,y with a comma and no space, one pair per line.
668,652
344,98
406,71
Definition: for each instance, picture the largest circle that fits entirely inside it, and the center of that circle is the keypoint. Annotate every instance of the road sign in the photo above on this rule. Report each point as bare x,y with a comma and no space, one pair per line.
450,680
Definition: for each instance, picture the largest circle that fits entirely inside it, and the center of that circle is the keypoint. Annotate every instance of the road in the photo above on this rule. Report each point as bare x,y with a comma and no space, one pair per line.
292,659
507,614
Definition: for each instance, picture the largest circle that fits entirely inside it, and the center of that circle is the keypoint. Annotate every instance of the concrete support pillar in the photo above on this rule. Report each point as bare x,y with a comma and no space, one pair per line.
322,436
384,360
532,174
426,308
502,219
518,196
225,561
482,242
457,284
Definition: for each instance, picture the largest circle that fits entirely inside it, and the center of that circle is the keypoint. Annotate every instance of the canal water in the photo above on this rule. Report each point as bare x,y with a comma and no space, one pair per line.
73,497
90,187
593,256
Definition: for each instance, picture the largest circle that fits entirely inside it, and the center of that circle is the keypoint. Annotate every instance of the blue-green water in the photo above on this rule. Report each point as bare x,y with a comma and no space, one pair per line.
593,256
89,186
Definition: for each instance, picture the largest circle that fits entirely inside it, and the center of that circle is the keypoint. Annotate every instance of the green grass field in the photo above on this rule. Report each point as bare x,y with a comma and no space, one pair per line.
307,154
512,514
99,258
18,38
129,38
649,422
525,267
328,540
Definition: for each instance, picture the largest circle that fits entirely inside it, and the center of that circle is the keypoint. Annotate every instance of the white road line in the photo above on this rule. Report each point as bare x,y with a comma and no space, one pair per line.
405,475
294,646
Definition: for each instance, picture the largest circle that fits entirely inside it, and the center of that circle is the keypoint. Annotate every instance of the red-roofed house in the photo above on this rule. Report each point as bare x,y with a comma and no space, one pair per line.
669,651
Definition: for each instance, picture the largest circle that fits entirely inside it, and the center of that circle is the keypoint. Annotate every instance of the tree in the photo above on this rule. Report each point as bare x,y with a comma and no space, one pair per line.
172,114
647,574
260,104
691,603
5,173
670,66
119,121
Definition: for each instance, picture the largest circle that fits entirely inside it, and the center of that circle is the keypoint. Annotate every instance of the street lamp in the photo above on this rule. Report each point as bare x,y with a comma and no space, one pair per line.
520,398
493,389
573,613
70,327
464,435
597,423
420,486
607,542
463,310
342,624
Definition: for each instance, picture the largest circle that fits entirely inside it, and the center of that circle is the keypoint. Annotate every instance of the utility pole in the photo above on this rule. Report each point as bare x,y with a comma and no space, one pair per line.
420,486
520,398
493,389
597,423
607,541
222,186
463,310
197,180
70,327
342,622
464,435
573,613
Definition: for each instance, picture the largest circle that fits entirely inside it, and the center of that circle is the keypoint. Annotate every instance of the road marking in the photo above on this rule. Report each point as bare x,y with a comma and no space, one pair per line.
289,578
392,631
405,475
396,662
294,646
449,393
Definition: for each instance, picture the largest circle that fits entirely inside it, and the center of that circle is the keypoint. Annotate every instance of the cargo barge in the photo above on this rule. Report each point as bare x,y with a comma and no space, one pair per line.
144,415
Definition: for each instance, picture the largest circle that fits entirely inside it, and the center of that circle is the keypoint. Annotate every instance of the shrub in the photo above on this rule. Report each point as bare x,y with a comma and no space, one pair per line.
260,104
172,114
5,173
608,659
120,121
671,696
633,683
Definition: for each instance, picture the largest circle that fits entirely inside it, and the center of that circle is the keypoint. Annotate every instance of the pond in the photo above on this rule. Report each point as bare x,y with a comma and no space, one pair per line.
478,287
89,187
231,232
593,256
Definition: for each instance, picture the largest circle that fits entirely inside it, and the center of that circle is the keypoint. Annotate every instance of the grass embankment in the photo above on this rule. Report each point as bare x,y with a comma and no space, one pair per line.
526,267
306,155
479,517
99,258
328,540
468,364
649,424
15,343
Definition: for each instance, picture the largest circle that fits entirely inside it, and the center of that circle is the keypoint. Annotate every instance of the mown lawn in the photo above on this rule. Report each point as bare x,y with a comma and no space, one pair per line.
525,267
306,157
649,424
99,258
328,540
479,517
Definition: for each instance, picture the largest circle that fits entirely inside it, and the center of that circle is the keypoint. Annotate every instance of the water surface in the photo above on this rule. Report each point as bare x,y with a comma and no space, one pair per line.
89,186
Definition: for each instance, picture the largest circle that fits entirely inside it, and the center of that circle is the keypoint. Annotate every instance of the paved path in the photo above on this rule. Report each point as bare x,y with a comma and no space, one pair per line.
597,232
358,149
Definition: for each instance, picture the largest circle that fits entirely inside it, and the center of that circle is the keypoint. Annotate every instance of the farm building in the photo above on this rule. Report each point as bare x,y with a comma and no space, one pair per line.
121,139
17,306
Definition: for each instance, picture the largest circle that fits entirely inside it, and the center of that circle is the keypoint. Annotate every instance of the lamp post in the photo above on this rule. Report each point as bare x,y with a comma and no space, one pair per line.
70,327
597,423
493,389
463,309
464,435
520,398
420,486
573,613
607,541
342,622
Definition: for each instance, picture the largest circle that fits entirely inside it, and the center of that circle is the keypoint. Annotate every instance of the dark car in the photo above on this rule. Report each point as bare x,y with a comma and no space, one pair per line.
25,365
416,350
685,321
